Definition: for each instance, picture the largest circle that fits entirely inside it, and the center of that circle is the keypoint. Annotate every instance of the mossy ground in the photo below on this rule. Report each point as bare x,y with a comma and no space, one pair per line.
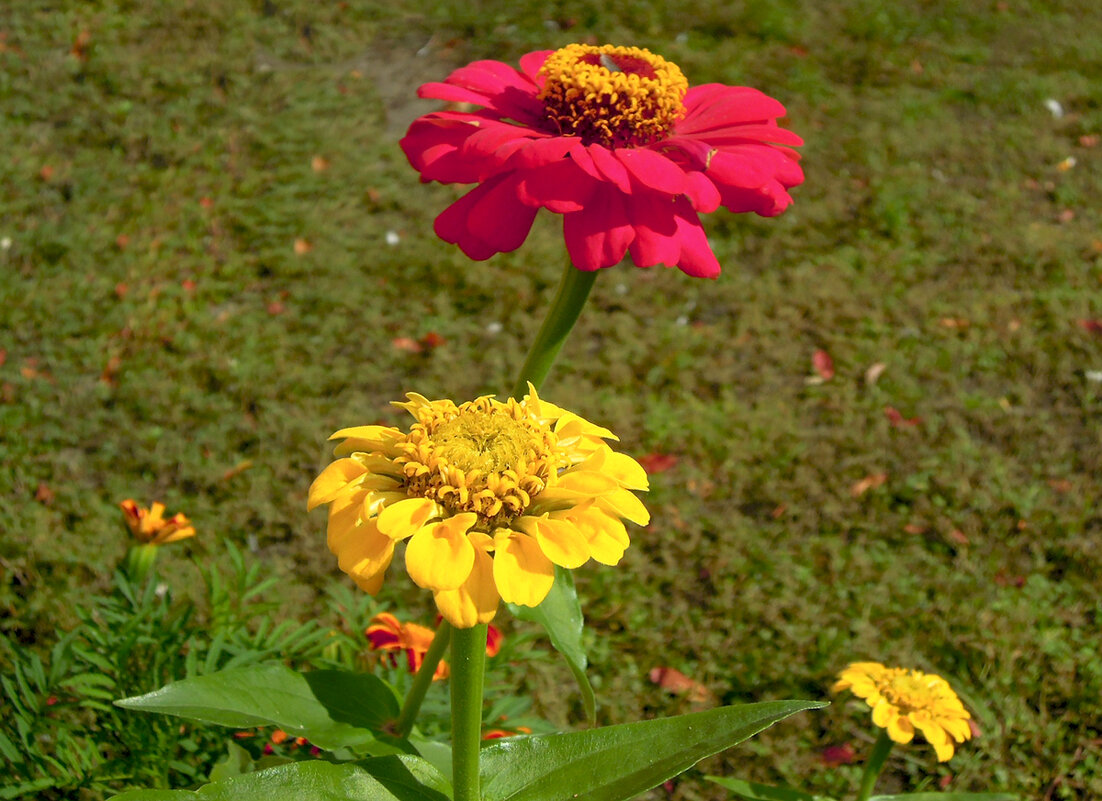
199,287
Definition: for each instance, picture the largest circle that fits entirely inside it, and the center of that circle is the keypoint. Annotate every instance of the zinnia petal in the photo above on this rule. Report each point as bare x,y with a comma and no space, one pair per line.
474,602
332,480
405,518
522,573
439,556
559,539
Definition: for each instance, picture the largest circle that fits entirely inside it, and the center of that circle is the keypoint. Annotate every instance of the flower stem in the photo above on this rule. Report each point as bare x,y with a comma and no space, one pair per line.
468,661
875,765
568,303
139,561
423,680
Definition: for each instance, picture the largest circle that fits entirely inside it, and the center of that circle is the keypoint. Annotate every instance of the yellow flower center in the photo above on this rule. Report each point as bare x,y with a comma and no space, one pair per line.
614,96
484,456
908,691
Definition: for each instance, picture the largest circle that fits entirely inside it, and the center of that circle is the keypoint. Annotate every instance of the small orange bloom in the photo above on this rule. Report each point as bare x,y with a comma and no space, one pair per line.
387,633
149,525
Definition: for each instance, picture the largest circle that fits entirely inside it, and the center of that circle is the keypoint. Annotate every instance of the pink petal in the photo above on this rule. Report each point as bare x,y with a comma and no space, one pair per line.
714,105
495,85
702,192
560,187
693,153
696,258
738,170
609,167
655,230
498,218
451,225
598,236
543,151
652,170
763,133
431,145
530,64
493,144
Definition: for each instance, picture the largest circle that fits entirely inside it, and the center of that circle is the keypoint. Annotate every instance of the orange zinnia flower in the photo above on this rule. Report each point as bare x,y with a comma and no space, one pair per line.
387,633
150,527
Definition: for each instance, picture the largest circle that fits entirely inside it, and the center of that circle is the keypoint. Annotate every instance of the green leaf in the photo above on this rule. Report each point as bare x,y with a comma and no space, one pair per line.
330,708
619,762
561,615
752,791
947,797
385,779
236,762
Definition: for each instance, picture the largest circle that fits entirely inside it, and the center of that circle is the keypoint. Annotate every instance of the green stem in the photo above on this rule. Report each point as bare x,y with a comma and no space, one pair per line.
423,680
139,561
568,303
468,661
875,765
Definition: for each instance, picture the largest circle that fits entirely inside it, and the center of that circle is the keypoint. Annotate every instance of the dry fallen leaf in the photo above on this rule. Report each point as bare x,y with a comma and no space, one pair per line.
823,364
834,755
406,344
43,494
319,164
302,247
674,681
658,462
898,420
871,481
872,375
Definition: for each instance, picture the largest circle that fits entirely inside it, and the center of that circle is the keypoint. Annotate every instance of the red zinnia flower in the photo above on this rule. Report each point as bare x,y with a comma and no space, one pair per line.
613,139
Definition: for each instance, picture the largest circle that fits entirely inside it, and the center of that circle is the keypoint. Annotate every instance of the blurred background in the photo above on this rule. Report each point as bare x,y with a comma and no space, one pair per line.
876,436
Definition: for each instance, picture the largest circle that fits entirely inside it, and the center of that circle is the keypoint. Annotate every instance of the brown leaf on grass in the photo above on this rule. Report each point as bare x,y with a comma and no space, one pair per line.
898,420
915,528
206,202
1061,485
431,340
319,164
975,728
81,44
1088,140
959,537
945,781
276,307
674,681
834,755
823,364
655,462
188,285
237,469
302,246
778,511
1094,326
871,481
3,356
872,375
43,494
958,323
407,344
111,370
46,173
7,392
121,289
122,241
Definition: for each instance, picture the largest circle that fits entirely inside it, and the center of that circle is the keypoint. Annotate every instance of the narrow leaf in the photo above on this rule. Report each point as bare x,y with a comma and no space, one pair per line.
616,763
385,779
330,708
752,791
947,797
561,615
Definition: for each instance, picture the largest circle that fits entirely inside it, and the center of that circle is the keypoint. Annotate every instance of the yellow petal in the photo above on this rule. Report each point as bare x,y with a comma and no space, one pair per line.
623,503
560,540
943,750
626,470
344,517
476,601
522,573
332,480
365,439
900,729
370,584
404,518
366,552
958,728
439,556
607,537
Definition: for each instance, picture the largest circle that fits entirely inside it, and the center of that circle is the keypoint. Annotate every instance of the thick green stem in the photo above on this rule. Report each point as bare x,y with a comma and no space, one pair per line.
468,662
139,561
423,680
875,765
568,304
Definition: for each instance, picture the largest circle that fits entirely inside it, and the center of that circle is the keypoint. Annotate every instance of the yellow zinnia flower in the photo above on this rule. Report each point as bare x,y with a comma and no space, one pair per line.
903,700
149,525
491,496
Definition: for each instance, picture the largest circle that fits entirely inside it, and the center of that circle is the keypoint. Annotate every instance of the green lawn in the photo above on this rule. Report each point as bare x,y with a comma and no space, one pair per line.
197,287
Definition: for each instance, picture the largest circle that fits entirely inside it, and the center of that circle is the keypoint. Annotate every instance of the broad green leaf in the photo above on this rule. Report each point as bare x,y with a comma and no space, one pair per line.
236,762
947,797
619,762
330,708
403,778
752,791
561,615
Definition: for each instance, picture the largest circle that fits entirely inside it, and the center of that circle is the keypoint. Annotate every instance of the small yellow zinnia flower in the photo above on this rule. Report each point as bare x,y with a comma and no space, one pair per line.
903,700
149,525
491,496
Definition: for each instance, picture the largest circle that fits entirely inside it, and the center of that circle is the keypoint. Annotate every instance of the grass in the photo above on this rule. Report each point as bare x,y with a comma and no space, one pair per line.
164,338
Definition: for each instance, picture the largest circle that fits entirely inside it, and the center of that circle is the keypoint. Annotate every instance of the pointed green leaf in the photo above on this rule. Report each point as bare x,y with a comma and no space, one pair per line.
330,708
561,615
384,779
619,762
947,797
752,791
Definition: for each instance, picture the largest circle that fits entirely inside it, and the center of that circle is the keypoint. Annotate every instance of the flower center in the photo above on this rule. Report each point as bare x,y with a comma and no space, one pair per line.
906,691
485,457
614,96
